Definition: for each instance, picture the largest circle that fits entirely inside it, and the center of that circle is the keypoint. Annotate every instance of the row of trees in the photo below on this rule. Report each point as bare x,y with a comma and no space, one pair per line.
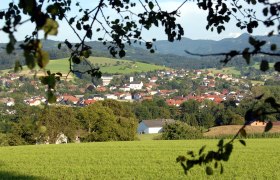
103,121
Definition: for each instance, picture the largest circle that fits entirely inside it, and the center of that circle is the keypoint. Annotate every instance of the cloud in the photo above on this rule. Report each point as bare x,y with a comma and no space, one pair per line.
234,34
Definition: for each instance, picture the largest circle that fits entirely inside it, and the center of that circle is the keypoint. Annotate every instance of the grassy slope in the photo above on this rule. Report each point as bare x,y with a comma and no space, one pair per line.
225,70
232,70
125,66
135,160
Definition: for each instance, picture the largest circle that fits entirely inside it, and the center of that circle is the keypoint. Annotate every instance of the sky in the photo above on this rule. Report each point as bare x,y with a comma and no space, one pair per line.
192,19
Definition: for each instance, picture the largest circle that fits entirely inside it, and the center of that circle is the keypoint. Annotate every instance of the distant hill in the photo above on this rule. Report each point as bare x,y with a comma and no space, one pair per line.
167,54
210,46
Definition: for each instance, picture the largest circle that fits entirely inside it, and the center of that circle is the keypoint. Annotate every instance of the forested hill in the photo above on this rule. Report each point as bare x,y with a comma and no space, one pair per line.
167,54
211,46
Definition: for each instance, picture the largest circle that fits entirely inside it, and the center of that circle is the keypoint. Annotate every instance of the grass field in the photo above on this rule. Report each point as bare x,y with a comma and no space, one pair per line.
225,70
135,160
119,66
233,71
107,65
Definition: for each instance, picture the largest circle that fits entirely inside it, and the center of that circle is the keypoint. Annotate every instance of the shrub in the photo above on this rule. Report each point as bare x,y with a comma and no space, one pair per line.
180,130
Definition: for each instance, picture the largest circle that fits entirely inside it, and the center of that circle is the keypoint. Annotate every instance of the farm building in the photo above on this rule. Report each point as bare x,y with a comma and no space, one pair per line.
258,123
152,126
61,139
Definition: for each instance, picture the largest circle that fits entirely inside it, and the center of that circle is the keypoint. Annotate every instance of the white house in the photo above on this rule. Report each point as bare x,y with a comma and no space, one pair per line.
125,88
136,85
126,96
106,80
61,139
152,126
110,96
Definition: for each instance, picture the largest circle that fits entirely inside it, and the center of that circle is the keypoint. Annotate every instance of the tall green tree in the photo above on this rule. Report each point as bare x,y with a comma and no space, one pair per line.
54,120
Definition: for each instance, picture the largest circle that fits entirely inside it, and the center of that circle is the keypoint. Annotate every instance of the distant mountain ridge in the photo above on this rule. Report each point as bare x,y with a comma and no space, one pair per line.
210,46
167,54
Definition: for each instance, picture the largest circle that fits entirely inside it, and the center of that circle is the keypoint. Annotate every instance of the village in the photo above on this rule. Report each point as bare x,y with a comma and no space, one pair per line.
140,87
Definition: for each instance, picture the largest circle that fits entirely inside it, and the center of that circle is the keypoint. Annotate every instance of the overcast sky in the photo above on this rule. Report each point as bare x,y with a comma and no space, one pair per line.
192,19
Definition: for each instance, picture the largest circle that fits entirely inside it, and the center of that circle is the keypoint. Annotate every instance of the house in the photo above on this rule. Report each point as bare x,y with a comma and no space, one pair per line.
124,88
127,96
152,126
89,101
70,98
34,102
258,123
61,139
106,80
136,85
153,79
110,96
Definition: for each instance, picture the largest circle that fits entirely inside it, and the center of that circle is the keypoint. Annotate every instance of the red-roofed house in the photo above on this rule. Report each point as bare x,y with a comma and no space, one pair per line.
89,101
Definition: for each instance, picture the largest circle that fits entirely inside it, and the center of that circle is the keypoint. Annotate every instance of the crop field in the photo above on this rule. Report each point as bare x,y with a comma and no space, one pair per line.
259,159
232,129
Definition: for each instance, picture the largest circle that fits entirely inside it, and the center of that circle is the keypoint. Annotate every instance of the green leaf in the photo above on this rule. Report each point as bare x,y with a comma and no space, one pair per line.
29,60
265,11
76,60
53,9
246,55
243,132
50,27
270,33
216,165
264,66
71,20
242,142
42,58
201,150
222,169
268,126
58,73
209,170
78,26
51,81
277,66
273,47
51,97
42,129
252,41
86,53
151,5
18,66
89,33
10,46
122,53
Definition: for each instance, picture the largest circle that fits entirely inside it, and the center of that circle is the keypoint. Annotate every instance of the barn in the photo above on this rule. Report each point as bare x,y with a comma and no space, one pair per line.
152,126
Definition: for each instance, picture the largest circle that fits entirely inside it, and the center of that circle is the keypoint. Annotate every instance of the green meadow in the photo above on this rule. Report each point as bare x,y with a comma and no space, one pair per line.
119,66
259,159
107,65
225,70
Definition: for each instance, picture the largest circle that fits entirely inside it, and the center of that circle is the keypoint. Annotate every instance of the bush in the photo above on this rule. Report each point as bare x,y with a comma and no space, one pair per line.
180,130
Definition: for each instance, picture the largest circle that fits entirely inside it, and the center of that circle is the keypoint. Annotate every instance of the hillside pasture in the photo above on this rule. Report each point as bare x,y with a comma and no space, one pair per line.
107,65
135,160
119,66
225,70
